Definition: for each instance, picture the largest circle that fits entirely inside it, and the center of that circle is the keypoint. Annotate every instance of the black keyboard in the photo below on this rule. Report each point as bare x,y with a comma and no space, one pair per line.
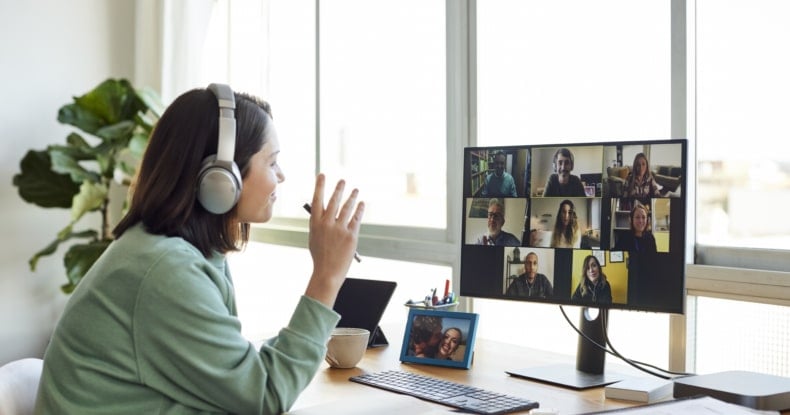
445,392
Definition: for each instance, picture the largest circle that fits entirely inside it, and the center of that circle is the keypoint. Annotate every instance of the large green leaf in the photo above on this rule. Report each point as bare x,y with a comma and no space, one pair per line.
63,235
109,103
119,133
65,164
152,101
79,259
38,184
137,145
91,197
76,147
81,118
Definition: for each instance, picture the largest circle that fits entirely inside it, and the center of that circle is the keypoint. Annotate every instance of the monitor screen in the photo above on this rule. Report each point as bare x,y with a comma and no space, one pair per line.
597,225
592,224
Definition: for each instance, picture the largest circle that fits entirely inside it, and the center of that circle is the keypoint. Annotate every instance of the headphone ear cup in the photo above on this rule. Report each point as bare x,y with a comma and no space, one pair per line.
219,185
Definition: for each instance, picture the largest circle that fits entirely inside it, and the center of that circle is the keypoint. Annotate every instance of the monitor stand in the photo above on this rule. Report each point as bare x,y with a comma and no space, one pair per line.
590,359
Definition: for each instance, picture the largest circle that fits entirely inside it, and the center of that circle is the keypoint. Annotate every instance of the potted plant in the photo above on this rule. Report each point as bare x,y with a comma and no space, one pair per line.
79,174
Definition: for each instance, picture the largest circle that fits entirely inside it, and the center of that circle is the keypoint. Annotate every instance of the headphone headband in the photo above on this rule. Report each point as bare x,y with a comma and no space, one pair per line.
226,146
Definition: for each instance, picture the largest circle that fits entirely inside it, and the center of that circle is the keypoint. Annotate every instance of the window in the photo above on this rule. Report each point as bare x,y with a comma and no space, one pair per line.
386,94
548,71
358,91
742,107
382,106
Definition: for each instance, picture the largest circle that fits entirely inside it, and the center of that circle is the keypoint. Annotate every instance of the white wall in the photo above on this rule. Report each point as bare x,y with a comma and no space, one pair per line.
51,51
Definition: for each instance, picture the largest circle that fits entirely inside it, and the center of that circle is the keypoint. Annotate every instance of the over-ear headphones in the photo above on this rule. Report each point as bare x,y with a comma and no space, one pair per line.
219,180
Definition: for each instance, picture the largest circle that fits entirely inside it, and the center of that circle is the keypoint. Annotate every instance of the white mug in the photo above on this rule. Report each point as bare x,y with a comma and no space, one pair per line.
346,347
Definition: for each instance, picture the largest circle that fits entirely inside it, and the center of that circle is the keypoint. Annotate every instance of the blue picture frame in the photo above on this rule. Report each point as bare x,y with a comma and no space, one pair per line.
420,343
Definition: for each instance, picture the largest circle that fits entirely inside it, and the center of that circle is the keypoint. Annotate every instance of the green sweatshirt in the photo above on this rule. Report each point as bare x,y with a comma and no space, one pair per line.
152,329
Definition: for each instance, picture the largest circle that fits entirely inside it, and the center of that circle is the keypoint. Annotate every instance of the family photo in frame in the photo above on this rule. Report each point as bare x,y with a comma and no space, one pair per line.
441,338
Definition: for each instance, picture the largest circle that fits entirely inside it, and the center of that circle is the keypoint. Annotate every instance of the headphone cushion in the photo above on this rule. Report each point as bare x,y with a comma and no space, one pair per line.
219,185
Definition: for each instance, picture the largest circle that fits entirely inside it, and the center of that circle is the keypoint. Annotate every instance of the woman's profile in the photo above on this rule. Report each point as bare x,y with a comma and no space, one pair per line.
593,286
153,326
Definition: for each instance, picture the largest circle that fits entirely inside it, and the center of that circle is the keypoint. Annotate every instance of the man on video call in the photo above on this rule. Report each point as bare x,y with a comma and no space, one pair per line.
496,235
562,183
531,283
500,183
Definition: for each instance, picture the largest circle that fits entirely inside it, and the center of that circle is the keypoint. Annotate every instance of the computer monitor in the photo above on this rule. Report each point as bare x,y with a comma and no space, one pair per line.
599,225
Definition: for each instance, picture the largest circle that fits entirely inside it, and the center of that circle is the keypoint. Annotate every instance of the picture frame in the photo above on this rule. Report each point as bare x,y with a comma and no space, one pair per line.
601,256
429,334
615,256
479,208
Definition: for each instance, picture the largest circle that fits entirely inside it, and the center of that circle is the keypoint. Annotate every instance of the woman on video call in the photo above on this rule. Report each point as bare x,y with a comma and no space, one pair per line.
152,327
640,182
641,246
593,286
639,239
566,227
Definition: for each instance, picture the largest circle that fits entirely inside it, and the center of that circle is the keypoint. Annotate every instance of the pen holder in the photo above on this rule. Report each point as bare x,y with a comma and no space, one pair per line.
422,304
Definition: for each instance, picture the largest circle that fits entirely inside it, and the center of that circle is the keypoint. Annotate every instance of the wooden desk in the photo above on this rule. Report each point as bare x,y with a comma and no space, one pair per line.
331,387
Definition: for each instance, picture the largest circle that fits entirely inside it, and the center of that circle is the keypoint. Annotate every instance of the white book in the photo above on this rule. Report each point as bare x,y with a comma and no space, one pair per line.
647,389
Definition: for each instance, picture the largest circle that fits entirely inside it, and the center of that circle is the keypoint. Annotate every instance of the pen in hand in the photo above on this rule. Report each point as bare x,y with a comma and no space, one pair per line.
306,207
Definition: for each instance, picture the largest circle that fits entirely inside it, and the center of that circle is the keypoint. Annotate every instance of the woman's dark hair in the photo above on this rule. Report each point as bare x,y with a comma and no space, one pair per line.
424,327
164,192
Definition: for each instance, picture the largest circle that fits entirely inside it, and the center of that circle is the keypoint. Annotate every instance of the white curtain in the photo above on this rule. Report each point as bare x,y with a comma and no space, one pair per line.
169,44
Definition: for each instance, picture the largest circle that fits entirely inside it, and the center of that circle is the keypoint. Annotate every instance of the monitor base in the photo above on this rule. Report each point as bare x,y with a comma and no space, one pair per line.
566,375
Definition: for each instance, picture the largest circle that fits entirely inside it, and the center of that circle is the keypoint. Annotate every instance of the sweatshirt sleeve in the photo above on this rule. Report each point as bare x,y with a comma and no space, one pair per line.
189,346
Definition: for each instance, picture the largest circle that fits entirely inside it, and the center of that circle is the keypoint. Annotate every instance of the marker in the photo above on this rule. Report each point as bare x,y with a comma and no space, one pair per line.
306,207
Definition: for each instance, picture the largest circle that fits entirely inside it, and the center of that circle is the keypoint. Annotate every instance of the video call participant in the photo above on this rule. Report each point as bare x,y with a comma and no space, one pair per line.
640,182
451,339
499,183
531,283
152,327
593,286
496,236
639,238
562,183
566,227
641,246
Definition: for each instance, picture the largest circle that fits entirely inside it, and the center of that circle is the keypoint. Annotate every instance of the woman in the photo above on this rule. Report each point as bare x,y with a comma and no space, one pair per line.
593,286
640,238
451,339
640,182
152,327
641,246
566,227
